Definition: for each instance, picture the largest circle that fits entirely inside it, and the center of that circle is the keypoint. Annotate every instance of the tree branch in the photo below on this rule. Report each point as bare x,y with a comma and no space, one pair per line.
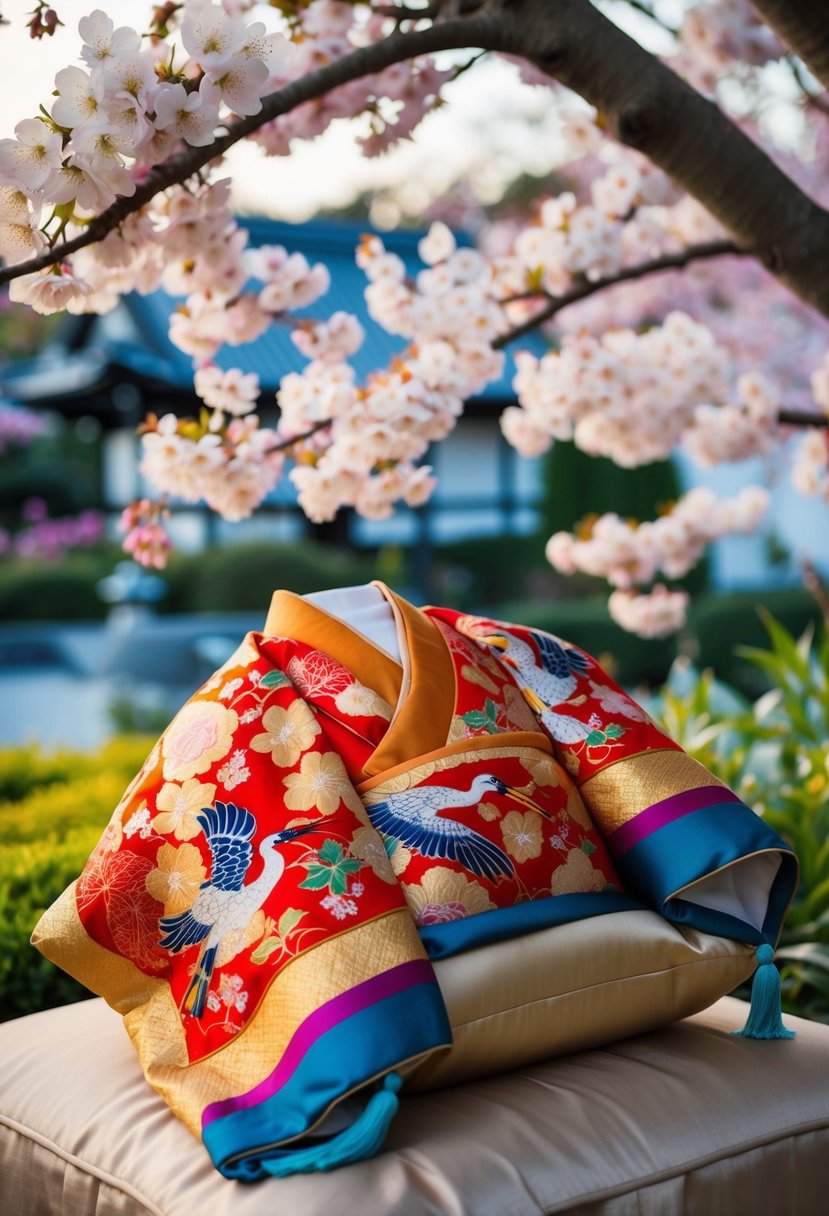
399,46
804,26
648,107
644,103
670,261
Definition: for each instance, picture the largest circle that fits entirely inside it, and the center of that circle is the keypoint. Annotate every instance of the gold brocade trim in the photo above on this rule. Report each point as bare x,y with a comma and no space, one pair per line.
291,616
60,936
426,704
301,987
464,751
621,791
152,1018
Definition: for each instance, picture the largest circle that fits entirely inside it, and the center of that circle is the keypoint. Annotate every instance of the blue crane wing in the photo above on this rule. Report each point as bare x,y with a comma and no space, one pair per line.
436,837
181,931
559,660
228,829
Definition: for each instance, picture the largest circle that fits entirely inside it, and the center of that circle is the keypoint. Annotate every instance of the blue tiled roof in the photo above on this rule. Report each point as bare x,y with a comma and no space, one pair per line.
274,354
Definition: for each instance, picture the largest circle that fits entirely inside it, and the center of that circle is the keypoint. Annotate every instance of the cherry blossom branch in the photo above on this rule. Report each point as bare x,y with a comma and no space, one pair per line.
648,107
669,261
398,47
643,102
816,100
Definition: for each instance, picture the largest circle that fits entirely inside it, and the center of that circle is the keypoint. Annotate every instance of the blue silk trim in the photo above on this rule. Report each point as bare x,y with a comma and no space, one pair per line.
346,1057
500,924
696,845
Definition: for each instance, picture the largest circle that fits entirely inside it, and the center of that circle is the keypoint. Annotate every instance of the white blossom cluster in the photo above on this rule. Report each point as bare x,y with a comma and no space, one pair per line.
655,615
130,107
626,395
378,431
630,554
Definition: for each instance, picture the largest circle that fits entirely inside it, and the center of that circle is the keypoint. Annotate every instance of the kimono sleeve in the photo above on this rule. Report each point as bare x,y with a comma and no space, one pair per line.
680,838
241,913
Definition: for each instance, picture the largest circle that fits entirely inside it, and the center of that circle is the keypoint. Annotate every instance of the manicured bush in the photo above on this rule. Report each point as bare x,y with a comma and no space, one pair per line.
52,812
721,624
245,576
63,591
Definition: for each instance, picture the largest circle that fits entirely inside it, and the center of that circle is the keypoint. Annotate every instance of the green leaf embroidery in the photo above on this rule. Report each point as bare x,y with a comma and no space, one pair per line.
331,852
289,920
317,877
587,847
265,949
596,738
332,869
475,719
274,679
614,731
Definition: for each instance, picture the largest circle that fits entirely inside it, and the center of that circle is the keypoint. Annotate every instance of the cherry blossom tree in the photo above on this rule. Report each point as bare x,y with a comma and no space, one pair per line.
682,283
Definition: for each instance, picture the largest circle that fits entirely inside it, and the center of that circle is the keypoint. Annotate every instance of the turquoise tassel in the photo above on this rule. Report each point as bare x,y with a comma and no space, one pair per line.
764,1019
363,1139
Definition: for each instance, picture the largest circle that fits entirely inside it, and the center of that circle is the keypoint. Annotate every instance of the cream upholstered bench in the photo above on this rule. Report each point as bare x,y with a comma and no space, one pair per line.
683,1120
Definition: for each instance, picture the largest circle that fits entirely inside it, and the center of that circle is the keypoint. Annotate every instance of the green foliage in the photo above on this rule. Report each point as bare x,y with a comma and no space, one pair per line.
63,590
243,577
52,811
723,624
774,753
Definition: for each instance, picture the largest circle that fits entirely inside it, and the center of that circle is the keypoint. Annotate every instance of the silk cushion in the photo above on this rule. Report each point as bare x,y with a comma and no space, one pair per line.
575,986
685,1121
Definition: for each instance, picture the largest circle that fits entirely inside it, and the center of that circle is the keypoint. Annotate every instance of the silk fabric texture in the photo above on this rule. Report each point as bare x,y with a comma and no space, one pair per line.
321,829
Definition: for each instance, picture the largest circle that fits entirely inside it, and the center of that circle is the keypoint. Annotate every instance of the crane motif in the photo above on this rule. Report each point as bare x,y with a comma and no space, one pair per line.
225,904
413,817
546,685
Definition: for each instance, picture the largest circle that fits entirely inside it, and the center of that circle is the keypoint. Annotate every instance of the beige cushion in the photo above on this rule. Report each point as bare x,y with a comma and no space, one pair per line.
683,1120
575,986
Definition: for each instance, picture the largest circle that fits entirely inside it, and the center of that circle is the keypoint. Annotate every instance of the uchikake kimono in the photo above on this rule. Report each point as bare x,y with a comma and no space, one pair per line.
321,824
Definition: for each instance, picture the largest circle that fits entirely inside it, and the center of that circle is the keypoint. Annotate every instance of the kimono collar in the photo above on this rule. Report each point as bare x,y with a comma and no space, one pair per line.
422,688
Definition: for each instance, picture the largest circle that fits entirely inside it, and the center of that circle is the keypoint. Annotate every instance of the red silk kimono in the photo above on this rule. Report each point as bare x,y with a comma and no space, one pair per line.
319,822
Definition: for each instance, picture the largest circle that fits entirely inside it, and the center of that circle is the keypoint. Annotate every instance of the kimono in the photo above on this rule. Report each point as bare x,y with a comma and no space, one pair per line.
320,823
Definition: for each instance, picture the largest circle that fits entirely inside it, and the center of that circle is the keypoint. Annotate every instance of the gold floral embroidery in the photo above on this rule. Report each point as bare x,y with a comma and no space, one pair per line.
522,834
177,877
359,701
368,846
287,734
200,734
443,894
233,943
180,805
577,874
321,782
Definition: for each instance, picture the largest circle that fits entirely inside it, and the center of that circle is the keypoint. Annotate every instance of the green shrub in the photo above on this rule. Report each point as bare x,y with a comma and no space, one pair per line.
721,624
245,576
52,813
774,753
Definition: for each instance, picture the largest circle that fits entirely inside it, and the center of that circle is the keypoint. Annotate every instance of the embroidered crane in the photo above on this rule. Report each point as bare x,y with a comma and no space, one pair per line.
413,817
225,904
546,685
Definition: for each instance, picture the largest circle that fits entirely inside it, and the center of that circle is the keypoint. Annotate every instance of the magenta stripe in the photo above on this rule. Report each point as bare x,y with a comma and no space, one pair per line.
387,984
662,813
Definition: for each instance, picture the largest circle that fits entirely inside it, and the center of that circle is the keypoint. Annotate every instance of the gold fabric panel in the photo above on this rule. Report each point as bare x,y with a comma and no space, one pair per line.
154,1023
622,790
573,987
